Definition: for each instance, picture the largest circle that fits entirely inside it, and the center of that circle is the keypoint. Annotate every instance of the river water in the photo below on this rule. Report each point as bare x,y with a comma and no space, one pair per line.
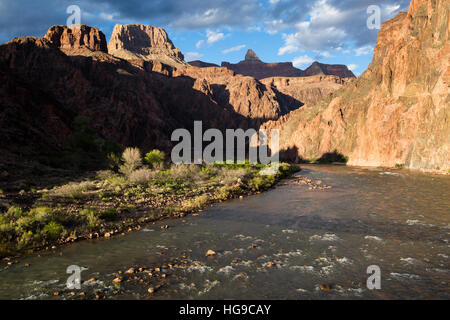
288,243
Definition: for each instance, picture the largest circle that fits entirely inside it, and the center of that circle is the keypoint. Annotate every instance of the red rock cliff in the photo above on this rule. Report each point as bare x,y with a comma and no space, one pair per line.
398,111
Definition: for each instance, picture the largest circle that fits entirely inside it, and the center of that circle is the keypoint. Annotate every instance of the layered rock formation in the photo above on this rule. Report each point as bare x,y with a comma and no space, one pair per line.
202,64
246,96
252,66
77,38
308,90
144,42
135,102
339,70
398,111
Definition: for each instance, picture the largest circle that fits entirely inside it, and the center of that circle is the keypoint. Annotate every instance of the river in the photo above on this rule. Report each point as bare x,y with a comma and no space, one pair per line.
288,243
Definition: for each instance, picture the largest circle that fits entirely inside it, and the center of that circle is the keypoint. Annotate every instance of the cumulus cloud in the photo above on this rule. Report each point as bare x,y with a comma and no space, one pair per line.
233,49
190,56
352,67
301,61
318,24
30,17
199,43
214,36
334,25
363,51
273,26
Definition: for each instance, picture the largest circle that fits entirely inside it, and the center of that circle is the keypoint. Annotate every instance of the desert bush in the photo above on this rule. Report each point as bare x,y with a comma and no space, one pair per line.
229,176
104,174
195,203
142,176
72,190
187,174
155,158
180,173
132,160
114,161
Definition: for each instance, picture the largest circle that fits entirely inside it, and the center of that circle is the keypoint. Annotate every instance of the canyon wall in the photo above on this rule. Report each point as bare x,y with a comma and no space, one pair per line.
397,112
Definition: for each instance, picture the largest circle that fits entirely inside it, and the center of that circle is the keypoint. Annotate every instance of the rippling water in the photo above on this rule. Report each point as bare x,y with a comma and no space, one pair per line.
398,220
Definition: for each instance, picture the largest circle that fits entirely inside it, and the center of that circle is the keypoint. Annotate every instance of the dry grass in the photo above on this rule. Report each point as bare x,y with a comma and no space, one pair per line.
72,190
230,177
142,176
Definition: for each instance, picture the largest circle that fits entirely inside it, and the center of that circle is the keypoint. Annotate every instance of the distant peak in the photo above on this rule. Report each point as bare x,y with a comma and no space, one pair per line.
251,56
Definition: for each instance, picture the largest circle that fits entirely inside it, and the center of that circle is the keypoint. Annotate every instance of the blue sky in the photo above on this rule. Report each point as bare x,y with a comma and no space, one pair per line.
330,31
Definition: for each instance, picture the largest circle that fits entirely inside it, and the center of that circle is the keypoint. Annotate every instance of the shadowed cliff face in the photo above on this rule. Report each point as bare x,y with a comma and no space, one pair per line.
308,90
398,111
48,82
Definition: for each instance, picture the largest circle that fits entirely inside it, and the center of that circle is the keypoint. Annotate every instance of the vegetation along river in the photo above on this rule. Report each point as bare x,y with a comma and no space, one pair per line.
300,240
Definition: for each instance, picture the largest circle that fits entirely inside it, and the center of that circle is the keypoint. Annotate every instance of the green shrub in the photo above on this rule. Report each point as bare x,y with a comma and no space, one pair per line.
52,230
261,182
109,215
155,158
114,161
15,212
91,217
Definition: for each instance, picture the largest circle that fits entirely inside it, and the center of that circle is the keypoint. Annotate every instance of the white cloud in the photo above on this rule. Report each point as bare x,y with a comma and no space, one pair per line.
322,32
290,45
352,67
213,36
199,43
391,10
233,49
287,49
301,61
326,54
363,51
272,27
274,1
189,56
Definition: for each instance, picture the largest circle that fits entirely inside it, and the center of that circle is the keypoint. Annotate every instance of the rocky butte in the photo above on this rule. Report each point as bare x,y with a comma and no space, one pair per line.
397,112
252,66
339,70
136,41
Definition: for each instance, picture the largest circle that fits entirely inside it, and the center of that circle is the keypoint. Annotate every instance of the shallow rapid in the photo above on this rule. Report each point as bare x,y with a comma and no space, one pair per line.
292,242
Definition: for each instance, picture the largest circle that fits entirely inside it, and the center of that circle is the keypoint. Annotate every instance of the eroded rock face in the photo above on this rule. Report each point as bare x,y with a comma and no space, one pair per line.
398,111
308,90
136,41
252,66
77,37
136,102
202,64
244,95
329,69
